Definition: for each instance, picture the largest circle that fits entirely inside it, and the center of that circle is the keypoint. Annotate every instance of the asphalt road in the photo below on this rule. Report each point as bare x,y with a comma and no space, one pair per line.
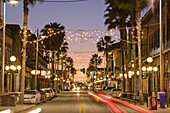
74,103
85,102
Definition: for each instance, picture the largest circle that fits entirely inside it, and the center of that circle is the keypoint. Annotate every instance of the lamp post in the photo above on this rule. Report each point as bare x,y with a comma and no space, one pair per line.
155,69
149,60
3,42
12,69
161,53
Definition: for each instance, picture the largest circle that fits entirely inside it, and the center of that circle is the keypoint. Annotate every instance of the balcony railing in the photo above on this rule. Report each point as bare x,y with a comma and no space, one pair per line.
157,51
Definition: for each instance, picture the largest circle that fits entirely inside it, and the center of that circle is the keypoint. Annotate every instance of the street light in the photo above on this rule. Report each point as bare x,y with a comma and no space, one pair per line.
3,45
13,2
12,68
155,69
149,69
149,59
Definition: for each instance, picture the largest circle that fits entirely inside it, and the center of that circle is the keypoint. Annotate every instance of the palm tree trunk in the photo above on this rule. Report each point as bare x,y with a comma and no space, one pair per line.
126,61
25,2
107,61
123,72
135,65
58,70
52,69
138,22
56,81
62,74
134,51
122,52
68,72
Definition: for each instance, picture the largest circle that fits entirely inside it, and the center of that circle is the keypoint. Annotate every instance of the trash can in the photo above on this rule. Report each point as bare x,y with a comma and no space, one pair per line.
149,103
162,99
8,100
152,103
17,95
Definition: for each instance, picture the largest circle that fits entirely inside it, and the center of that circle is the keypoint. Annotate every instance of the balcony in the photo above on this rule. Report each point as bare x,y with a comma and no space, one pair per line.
157,51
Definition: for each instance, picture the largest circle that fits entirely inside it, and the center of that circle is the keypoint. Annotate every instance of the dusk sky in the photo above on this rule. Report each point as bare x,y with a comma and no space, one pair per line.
77,16
87,15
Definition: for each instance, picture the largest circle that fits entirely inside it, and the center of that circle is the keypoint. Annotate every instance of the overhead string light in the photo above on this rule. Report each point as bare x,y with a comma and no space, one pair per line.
79,36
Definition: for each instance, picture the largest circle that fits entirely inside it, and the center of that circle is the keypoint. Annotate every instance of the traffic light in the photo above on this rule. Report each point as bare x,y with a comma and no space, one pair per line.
82,71
91,72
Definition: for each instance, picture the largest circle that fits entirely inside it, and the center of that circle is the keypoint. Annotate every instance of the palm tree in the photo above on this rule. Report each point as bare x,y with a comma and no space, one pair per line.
62,51
117,17
63,63
96,61
90,69
105,45
73,72
25,7
55,33
129,6
69,65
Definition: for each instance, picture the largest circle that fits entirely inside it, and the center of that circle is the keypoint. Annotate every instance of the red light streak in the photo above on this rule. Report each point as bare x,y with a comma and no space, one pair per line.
109,103
141,110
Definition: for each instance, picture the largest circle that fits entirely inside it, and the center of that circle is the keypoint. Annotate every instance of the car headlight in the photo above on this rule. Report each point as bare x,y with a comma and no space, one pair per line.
33,97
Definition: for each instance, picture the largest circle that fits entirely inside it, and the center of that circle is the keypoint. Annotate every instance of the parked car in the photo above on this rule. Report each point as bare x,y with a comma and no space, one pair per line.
32,96
49,94
67,88
108,90
98,87
116,92
43,95
103,87
55,92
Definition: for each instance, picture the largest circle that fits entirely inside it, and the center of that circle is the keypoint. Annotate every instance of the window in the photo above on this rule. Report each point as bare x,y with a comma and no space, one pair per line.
29,92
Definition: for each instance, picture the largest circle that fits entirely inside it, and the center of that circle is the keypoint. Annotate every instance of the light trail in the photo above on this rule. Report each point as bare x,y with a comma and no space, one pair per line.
108,103
137,108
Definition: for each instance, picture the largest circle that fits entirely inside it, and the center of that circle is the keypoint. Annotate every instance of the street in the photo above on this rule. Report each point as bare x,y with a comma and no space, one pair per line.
84,102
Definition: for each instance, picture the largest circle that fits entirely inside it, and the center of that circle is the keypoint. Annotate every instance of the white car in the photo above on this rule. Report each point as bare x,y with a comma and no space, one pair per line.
32,96
108,89
98,87
116,92
48,92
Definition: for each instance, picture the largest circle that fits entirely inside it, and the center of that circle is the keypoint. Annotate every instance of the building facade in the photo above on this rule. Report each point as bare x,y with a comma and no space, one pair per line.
151,43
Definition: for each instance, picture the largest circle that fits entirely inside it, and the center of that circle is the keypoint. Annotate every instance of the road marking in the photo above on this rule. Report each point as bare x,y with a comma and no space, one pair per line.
82,104
84,109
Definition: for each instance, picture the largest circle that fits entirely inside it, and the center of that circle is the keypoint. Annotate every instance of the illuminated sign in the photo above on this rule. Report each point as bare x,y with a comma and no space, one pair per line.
37,72
43,73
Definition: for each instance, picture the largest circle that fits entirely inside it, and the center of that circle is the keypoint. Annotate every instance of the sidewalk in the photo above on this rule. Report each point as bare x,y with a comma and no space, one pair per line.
19,108
159,110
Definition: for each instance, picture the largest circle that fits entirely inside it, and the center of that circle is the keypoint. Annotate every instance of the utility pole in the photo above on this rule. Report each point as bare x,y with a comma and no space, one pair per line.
161,51
36,63
3,48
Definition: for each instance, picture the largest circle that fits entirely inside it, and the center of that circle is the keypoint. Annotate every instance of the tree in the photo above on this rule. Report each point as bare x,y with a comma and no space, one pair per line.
90,72
55,38
117,17
73,72
25,7
62,52
69,65
129,6
105,45
96,61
